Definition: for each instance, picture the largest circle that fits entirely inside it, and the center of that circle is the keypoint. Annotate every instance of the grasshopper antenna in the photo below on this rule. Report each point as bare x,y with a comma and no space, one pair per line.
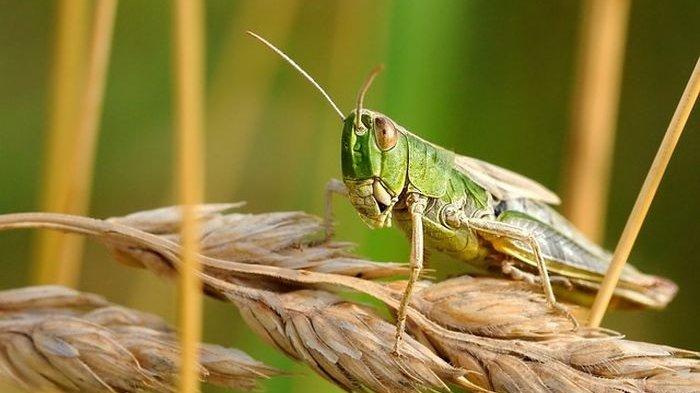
301,70
361,95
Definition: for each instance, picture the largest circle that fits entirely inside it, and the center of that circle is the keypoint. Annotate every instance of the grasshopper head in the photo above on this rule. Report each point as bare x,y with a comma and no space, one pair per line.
374,155
374,152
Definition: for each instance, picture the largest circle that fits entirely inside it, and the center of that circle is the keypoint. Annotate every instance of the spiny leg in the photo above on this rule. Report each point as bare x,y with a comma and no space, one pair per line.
334,186
416,206
500,229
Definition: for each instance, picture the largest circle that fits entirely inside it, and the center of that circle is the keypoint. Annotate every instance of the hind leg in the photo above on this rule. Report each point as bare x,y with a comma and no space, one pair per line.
500,230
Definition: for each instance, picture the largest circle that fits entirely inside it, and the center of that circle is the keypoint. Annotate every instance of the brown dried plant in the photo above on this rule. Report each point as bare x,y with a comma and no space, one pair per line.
292,240
54,338
479,333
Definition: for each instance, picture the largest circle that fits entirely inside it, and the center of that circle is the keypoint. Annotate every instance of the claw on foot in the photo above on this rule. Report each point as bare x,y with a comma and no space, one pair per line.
398,341
396,351
565,312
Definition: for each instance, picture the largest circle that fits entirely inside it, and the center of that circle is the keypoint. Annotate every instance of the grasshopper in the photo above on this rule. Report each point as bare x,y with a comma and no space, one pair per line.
494,219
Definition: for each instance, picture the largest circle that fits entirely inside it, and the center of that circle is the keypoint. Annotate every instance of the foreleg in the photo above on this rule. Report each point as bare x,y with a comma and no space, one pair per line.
416,205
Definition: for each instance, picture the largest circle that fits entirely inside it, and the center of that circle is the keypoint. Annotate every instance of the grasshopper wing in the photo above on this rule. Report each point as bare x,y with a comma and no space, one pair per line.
502,183
583,263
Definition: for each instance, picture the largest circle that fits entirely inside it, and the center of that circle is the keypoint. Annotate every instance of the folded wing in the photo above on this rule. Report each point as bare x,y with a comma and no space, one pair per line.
502,183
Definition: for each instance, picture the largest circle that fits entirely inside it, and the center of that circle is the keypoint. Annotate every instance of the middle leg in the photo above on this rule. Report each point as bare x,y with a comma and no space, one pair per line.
510,269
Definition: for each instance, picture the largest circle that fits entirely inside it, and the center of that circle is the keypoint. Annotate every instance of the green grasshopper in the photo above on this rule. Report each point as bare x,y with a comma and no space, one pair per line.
476,212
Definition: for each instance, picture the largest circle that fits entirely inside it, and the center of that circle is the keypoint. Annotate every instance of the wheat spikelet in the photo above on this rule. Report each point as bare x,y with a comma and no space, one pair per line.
490,307
344,342
55,338
500,334
556,360
292,240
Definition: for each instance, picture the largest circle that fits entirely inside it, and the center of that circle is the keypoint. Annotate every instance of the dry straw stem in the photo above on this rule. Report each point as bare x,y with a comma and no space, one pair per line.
76,167
645,197
594,114
84,141
54,338
189,105
498,335
64,97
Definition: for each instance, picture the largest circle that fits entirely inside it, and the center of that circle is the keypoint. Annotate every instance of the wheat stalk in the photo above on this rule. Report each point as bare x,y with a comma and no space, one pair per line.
69,40
188,64
54,338
645,197
481,333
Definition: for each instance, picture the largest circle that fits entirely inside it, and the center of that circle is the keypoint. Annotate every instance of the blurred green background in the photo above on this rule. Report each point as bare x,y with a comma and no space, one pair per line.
488,79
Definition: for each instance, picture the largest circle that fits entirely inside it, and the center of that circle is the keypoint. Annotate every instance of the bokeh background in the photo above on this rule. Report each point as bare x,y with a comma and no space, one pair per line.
492,80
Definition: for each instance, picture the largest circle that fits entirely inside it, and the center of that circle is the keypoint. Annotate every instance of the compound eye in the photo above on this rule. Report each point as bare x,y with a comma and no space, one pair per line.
385,133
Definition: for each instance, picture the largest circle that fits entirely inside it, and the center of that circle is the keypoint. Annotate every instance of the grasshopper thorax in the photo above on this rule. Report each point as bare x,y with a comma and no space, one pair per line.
374,155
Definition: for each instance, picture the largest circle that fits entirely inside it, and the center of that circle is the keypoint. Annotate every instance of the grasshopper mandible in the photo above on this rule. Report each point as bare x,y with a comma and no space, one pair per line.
496,220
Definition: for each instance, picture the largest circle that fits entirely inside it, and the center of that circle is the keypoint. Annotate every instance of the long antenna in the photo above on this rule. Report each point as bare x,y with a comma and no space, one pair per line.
361,95
301,70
